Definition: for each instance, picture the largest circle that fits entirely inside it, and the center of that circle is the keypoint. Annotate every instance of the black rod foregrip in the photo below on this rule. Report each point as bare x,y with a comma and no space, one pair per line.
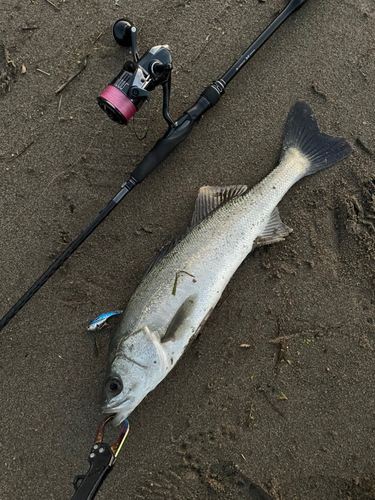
176,134
162,149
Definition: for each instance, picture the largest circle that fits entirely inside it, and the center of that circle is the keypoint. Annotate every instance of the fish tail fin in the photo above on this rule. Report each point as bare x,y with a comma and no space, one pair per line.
302,132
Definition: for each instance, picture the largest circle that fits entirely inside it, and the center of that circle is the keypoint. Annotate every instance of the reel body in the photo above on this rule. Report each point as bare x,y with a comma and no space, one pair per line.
131,87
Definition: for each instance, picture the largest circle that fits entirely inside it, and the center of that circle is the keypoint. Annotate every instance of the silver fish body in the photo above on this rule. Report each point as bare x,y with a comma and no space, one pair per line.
179,292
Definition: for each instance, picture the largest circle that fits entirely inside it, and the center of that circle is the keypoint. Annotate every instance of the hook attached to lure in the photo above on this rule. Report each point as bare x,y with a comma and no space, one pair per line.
124,96
100,321
101,459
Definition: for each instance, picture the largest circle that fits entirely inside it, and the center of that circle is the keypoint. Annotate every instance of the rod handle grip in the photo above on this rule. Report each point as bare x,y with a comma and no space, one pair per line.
177,133
162,149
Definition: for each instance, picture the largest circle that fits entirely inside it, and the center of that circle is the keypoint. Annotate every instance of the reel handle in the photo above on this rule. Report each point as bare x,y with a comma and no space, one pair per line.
125,34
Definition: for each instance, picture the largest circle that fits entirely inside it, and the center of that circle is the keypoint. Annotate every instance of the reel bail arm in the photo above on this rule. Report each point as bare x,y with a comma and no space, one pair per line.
131,87
176,133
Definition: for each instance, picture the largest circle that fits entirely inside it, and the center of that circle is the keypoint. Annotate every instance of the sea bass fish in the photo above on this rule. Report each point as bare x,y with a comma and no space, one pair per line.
187,279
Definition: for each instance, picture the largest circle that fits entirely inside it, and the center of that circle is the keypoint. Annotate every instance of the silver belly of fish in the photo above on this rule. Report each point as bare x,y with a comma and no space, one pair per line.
186,281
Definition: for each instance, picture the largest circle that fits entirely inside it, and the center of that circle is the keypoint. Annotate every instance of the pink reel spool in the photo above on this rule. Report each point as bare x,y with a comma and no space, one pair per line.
117,99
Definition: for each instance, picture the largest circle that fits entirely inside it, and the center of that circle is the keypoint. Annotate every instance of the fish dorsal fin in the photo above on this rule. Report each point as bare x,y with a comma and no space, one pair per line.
179,319
211,197
274,231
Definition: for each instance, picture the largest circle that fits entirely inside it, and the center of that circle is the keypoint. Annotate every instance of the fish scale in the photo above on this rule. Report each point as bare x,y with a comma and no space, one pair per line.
211,255
180,290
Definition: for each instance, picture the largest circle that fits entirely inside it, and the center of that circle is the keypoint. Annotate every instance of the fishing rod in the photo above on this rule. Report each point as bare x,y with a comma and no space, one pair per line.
125,95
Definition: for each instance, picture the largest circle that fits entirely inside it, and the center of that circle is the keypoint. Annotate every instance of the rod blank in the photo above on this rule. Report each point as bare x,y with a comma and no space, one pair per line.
162,149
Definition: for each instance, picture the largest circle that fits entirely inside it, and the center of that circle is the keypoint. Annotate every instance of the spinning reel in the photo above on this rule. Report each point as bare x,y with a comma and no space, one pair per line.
122,99
128,90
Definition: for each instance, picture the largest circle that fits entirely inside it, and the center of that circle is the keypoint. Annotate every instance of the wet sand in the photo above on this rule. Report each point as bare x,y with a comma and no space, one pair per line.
291,416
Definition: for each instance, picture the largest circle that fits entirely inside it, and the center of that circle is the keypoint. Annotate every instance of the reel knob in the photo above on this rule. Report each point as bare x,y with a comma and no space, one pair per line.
122,32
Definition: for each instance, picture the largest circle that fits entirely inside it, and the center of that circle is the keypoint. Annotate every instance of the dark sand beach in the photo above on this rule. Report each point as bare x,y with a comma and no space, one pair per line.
292,414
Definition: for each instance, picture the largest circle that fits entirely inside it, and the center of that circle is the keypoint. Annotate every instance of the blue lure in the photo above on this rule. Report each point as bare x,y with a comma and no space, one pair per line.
99,322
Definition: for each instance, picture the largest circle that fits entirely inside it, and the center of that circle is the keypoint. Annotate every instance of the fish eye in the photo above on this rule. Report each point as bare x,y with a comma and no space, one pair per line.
114,385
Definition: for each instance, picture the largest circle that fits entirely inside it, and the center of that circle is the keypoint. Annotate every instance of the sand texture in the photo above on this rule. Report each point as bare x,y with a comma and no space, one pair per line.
292,414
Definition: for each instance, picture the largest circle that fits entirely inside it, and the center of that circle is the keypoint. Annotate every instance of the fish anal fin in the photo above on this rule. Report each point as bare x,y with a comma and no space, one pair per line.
211,197
274,231
177,326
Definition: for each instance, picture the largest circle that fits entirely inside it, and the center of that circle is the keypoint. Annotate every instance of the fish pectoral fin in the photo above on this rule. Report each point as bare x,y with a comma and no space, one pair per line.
274,231
176,327
211,197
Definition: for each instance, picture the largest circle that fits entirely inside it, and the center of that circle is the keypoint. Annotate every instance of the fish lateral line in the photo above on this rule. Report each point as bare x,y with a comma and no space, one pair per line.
248,219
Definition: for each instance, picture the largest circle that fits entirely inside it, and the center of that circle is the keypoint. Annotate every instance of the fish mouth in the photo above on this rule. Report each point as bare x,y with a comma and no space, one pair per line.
121,409
118,417
108,407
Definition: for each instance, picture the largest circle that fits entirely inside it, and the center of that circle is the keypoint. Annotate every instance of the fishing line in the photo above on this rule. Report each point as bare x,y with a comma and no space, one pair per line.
147,125
121,100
